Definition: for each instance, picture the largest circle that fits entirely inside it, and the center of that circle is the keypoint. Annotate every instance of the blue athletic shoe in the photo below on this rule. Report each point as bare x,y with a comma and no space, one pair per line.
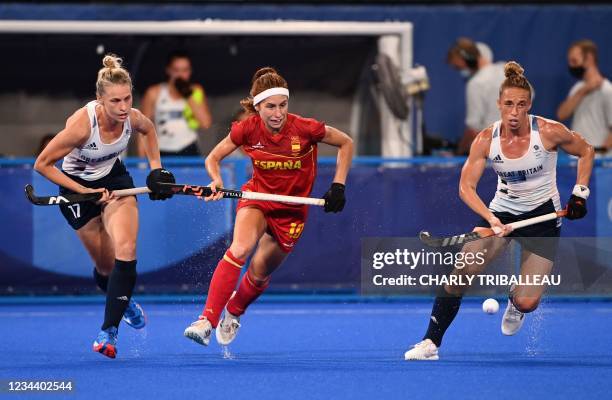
106,343
134,315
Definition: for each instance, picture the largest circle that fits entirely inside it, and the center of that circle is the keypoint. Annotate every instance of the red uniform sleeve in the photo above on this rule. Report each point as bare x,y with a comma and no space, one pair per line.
310,127
237,133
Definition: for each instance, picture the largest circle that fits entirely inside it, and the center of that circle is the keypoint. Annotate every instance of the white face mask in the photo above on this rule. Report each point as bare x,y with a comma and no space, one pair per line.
465,73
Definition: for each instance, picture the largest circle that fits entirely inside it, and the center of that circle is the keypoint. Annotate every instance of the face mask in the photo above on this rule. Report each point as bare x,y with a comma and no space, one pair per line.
576,72
466,73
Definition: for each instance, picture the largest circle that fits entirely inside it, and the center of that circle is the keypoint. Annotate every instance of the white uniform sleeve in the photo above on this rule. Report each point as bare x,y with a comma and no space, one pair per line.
475,106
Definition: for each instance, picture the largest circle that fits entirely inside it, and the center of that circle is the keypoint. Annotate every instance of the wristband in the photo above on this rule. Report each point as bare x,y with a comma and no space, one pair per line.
581,191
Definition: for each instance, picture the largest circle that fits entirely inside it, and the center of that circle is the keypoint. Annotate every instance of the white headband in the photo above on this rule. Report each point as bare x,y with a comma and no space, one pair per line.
270,92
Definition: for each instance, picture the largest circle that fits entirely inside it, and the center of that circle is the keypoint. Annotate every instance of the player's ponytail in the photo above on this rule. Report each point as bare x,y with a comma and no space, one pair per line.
112,74
265,78
515,78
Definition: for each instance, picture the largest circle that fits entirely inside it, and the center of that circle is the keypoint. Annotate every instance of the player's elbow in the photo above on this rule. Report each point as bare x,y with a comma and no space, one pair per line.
40,164
208,161
348,144
465,190
462,190
211,161
589,152
461,193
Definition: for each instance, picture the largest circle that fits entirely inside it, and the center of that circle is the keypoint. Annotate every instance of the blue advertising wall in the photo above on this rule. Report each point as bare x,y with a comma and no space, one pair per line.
536,36
181,240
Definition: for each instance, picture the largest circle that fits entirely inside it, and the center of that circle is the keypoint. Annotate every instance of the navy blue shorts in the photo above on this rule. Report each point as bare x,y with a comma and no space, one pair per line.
541,239
79,214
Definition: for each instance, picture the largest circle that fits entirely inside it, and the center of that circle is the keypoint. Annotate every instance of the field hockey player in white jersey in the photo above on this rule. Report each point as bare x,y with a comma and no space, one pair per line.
522,149
90,144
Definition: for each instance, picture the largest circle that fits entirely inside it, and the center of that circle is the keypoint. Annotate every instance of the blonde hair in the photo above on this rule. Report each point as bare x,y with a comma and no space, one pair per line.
112,74
514,78
265,78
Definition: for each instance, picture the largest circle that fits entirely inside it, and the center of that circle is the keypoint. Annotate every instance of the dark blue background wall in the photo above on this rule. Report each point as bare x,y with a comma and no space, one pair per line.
535,36
181,240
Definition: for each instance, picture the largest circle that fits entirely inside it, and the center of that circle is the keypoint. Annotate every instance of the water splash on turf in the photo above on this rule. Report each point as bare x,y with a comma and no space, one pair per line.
534,345
138,342
227,355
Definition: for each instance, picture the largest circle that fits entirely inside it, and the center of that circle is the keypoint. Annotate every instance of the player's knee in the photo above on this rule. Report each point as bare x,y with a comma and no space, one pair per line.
526,304
105,267
240,251
126,250
259,280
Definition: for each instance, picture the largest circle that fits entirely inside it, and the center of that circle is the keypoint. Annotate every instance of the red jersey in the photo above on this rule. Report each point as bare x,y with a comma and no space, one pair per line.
285,162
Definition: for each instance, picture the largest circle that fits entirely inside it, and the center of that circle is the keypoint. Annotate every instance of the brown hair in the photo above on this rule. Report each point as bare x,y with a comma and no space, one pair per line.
465,49
587,47
177,54
265,78
112,74
514,78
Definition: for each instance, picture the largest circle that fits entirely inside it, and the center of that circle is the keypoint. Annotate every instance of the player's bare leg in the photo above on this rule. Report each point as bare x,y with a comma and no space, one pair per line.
120,218
447,302
99,245
525,298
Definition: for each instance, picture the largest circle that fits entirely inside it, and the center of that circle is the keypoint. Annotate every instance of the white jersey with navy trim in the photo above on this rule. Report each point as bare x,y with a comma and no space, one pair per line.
526,182
95,159
173,132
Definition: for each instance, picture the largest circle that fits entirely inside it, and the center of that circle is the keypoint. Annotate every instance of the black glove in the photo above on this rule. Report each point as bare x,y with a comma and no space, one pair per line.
334,198
576,207
183,87
155,177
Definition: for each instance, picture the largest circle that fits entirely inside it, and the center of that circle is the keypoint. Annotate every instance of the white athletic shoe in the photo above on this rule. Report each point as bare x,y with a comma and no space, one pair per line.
424,350
228,329
512,321
199,331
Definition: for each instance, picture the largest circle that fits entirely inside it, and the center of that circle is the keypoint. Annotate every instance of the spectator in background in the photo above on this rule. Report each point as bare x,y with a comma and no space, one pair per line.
589,101
482,89
178,107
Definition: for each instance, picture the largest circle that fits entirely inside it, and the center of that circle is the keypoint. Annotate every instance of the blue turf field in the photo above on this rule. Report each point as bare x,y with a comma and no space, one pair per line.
316,350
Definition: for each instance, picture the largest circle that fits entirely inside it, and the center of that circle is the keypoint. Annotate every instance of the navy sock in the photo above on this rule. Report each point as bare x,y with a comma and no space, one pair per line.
120,287
101,280
443,313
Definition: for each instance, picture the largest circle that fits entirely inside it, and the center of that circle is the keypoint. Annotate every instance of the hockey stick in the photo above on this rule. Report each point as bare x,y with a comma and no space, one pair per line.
484,232
196,190
76,197
193,190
